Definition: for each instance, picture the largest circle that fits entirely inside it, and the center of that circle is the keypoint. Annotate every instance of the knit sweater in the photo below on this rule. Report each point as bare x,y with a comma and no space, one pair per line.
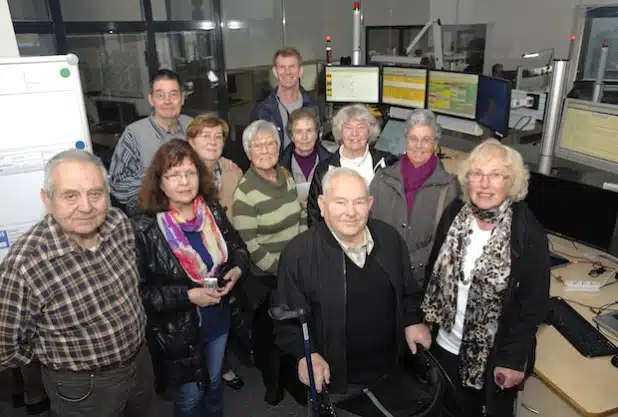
267,215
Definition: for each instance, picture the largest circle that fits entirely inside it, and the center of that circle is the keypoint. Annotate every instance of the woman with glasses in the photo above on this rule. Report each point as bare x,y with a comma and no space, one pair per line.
412,194
267,214
488,284
190,258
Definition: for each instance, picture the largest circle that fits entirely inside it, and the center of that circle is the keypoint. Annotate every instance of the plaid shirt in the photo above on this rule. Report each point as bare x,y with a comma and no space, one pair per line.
74,308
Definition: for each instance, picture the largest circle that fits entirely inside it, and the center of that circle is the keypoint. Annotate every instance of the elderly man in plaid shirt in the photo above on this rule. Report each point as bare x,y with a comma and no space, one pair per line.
69,296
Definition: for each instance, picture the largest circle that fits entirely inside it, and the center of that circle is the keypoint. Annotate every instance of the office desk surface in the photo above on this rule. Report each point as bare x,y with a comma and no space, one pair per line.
590,385
452,158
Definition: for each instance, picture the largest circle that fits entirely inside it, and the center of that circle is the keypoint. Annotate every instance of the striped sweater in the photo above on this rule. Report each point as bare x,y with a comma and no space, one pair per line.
267,215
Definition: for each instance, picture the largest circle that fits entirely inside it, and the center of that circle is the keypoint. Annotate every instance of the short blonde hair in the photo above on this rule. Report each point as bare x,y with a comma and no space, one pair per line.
517,172
355,112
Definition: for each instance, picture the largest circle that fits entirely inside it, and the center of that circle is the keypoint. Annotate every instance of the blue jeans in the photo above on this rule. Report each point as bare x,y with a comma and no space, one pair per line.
190,401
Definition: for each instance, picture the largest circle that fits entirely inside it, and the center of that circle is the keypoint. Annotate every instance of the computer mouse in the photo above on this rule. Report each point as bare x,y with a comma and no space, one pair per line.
615,361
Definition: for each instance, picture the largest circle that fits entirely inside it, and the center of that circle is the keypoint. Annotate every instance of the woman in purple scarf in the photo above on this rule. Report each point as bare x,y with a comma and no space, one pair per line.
411,194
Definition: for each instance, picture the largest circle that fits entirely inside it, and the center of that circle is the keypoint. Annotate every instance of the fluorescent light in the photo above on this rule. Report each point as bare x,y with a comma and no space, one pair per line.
534,55
235,24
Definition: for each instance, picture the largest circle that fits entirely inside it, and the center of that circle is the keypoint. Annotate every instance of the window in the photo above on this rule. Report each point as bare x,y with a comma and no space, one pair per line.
101,11
190,54
601,24
113,67
32,44
185,10
29,10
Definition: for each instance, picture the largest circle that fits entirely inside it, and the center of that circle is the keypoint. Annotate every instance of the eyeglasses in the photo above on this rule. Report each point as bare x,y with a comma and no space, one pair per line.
178,176
162,95
492,177
424,141
269,146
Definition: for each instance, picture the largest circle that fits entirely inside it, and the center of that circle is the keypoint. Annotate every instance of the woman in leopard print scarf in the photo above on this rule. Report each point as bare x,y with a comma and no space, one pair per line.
473,277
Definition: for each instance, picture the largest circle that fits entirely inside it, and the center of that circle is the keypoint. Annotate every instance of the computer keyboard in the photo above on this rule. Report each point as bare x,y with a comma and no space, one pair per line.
579,332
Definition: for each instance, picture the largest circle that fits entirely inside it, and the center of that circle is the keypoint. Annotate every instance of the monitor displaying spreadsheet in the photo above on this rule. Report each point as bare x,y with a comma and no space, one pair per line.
452,93
404,87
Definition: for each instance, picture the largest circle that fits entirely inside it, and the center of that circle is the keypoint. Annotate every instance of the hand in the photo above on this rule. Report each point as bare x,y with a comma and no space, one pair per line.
418,333
321,371
227,164
509,377
303,203
231,277
204,297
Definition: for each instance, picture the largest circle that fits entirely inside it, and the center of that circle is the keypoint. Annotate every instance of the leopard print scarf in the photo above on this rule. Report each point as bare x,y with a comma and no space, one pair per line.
489,282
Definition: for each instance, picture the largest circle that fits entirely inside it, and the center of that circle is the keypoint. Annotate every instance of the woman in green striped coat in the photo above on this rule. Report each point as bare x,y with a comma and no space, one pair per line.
267,214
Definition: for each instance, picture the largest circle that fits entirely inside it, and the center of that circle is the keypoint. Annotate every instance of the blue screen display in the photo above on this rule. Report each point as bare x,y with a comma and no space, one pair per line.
494,104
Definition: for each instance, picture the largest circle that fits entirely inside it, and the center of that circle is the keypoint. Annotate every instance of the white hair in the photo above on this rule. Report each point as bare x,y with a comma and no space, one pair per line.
333,173
254,128
355,112
423,117
72,155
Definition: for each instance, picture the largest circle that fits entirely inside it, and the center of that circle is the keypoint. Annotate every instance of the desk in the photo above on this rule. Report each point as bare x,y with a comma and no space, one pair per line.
451,159
566,384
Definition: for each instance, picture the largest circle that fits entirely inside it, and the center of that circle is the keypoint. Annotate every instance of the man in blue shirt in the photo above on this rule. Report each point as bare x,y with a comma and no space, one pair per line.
288,96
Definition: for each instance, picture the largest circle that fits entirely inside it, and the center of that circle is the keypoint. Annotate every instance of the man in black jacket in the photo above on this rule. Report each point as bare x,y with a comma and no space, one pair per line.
353,276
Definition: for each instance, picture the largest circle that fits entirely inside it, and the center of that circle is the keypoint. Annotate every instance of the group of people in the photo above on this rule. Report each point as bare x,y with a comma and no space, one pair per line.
386,253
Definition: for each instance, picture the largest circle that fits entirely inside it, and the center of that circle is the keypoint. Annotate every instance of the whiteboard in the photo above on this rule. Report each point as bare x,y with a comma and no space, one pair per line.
42,112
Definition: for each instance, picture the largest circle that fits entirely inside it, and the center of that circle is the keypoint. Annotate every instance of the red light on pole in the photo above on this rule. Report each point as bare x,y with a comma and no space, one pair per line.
356,5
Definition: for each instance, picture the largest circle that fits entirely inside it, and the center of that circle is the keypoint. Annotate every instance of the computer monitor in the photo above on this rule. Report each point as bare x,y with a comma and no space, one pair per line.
580,212
493,104
404,87
589,134
392,139
353,84
452,93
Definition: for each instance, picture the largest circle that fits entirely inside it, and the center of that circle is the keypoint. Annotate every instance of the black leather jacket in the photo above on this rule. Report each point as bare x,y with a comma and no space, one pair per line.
172,331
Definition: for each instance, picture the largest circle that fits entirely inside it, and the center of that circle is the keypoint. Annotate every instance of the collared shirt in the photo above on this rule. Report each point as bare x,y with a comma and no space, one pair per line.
134,151
358,255
73,308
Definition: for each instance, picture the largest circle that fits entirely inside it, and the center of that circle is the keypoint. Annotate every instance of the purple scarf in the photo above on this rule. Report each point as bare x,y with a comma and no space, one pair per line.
414,178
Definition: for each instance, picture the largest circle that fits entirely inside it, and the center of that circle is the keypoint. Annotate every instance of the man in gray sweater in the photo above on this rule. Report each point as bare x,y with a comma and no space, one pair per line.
141,139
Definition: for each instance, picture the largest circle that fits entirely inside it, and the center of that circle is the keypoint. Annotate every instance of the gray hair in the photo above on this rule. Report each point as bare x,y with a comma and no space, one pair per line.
254,128
72,155
355,112
423,117
333,173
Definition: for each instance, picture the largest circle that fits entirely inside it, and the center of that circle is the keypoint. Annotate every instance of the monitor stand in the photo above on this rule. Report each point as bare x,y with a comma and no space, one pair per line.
468,127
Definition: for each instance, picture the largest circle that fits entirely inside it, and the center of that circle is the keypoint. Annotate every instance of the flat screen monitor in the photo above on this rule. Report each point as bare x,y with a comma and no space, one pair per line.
452,93
392,138
404,87
493,104
581,212
589,134
353,84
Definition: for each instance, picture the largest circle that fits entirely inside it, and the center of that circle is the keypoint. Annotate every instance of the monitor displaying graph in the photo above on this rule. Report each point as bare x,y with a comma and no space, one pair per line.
405,87
588,134
352,84
452,93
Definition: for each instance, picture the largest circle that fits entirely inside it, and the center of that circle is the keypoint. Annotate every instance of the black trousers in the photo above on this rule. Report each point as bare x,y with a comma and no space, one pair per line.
123,392
459,401
267,353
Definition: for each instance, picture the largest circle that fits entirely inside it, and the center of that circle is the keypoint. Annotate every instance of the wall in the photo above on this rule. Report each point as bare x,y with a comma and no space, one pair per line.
516,26
395,12
8,44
